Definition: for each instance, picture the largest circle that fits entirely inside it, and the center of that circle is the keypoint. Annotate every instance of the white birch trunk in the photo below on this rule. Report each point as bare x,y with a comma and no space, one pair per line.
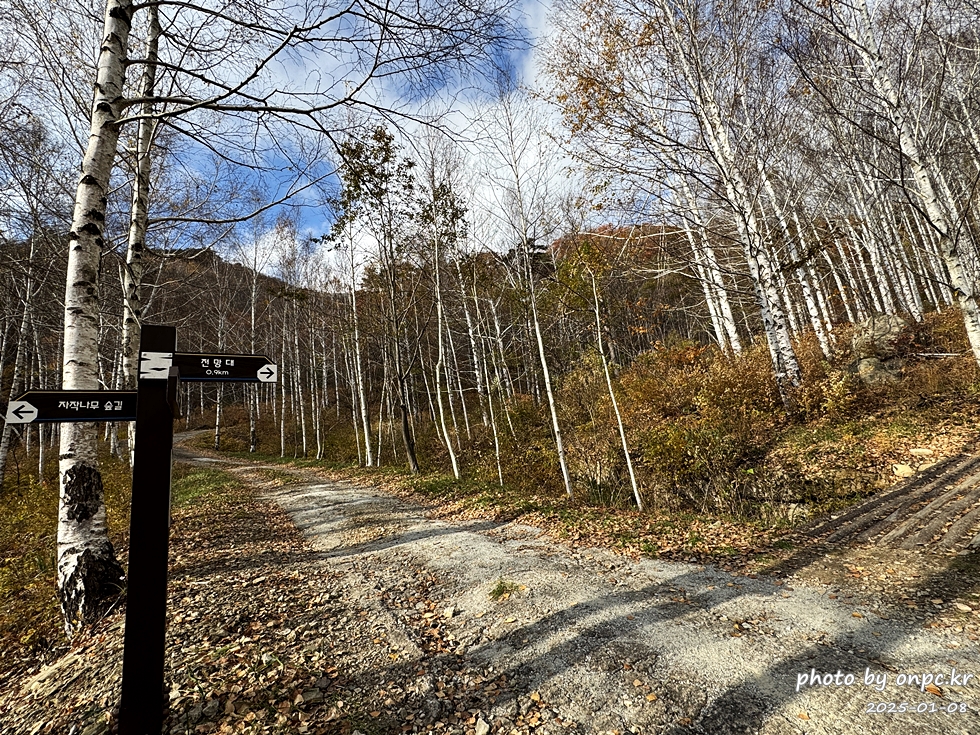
441,360
42,383
88,572
138,217
474,347
358,371
219,403
840,287
612,398
712,284
546,373
20,352
498,379
853,277
715,291
924,176
499,339
298,381
875,293
785,365
355,423
809,300
823,294
923,261
459,387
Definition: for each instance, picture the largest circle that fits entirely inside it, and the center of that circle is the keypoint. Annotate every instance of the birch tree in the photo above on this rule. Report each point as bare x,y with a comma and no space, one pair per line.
522,172
89,574
673,77
857,30
235,76
442,219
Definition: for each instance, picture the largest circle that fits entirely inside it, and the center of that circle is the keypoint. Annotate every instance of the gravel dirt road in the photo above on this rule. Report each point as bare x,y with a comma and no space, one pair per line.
613,645
299,603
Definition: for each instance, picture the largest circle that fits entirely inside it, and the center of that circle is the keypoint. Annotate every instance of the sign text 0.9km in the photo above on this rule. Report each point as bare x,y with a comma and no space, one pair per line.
200,367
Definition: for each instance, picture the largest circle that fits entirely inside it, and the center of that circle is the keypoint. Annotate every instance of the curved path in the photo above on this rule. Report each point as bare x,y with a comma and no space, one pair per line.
589,642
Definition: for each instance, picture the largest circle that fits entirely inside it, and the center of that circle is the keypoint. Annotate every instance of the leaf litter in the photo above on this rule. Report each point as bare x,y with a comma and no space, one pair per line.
266,637
263,639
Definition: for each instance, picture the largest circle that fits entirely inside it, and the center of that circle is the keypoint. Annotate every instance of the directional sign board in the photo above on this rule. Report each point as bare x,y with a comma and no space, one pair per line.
199,367
39,406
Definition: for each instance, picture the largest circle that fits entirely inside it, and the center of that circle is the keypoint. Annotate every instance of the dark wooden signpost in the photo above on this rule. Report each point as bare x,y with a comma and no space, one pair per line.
153,405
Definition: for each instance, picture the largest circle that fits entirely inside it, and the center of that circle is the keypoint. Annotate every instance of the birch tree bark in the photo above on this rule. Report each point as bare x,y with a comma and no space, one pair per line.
20,356
88,573
853,24
712,282
612,397
523,190
668,78
802,278
138,217
441,355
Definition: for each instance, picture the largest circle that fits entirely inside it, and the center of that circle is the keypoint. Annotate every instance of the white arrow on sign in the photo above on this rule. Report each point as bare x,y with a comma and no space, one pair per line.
20,412
268,373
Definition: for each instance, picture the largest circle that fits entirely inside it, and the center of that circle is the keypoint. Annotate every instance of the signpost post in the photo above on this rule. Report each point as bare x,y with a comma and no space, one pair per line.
142,702
153,405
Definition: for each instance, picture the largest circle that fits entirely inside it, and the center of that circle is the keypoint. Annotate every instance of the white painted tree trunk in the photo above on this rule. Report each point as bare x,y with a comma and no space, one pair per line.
88,572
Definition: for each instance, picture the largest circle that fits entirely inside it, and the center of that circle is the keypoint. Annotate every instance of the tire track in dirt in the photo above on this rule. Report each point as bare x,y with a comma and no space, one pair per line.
937,510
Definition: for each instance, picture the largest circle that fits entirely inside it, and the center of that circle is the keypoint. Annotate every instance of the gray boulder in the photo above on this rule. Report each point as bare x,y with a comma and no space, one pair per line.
873,371
877,337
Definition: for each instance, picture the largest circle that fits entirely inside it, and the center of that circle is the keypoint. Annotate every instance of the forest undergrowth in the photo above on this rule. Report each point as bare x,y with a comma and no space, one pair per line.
726,474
